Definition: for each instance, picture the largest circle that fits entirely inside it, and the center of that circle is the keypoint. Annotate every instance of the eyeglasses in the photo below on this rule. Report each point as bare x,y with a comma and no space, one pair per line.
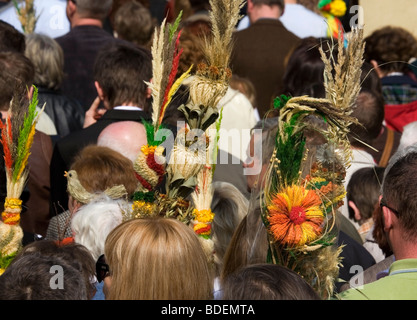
383,203
102,268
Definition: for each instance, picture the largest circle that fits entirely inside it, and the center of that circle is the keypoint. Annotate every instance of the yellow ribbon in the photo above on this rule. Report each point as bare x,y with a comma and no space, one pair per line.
12,204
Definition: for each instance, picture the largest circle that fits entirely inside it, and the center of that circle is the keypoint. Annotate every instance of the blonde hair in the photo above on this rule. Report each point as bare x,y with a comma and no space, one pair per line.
230,207
48,59
157,259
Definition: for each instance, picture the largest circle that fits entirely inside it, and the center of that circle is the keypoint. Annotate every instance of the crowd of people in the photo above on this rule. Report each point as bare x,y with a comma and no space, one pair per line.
92,66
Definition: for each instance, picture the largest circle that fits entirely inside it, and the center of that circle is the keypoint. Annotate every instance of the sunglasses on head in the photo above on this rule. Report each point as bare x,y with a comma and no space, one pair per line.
383,203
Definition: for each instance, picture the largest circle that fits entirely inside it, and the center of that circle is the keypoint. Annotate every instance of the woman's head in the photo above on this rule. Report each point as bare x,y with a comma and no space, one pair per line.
48,59
99,168
157,259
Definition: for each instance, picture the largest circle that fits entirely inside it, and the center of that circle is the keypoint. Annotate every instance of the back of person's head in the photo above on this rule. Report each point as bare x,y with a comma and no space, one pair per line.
270,3
259,152
369,111
99,168
399,188
75,255
48,59
125,137
370,81
199,5
249,244
157,258
267,282
39,277
269,127
16,76
391,47
245,86
120,70
11,39
133,22
363,190
304,71
229,206
93,222
94,9
192,54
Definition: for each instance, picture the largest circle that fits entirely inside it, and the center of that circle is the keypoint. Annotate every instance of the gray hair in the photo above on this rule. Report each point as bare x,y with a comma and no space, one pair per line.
48,59
93,222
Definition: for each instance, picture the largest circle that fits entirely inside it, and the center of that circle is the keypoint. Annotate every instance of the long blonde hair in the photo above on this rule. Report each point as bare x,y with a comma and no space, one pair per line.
157,259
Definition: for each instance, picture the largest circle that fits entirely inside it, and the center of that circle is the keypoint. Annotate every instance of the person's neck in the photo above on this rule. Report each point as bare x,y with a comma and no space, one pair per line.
405,251
290,1
265,12
86,22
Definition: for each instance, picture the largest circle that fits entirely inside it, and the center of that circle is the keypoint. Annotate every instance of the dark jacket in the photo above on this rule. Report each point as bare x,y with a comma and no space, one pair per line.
66,113
259,54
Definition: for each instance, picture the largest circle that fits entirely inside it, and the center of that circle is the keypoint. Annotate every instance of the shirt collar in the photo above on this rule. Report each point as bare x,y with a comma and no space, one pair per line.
129,108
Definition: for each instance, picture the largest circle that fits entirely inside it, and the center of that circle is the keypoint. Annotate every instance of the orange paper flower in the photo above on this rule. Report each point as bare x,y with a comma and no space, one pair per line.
295,216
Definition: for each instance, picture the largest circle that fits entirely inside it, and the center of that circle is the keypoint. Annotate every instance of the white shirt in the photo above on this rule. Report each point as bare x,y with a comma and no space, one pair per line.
298,20
238,118
45,123
128,108
52,19
304,22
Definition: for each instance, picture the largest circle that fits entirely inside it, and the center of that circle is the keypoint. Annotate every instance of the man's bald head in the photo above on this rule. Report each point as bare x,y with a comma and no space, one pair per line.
126,137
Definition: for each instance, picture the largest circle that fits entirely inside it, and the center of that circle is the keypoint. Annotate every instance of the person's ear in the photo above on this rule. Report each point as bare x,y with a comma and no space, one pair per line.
149,91
357,213
377,69
387,217
100,91
71,8
73,205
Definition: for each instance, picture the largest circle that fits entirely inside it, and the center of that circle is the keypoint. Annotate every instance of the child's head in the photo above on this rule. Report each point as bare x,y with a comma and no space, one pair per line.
363,191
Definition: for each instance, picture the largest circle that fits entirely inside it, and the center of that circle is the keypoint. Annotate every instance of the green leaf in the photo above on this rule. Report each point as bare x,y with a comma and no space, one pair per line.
173,27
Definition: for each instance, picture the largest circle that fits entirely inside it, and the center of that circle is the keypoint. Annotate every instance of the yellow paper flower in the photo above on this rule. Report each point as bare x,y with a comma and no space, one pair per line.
295,216
338,8
204,216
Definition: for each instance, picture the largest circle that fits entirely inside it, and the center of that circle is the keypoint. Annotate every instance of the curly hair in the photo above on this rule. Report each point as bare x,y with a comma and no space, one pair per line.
391,47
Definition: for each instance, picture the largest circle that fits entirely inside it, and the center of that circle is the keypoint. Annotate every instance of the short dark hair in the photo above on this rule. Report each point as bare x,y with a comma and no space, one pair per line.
364,188
95,9
121,70
267,282
280,3
304,71
133,22
74,254
11,39
399,189
17,74
30,278
369,111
